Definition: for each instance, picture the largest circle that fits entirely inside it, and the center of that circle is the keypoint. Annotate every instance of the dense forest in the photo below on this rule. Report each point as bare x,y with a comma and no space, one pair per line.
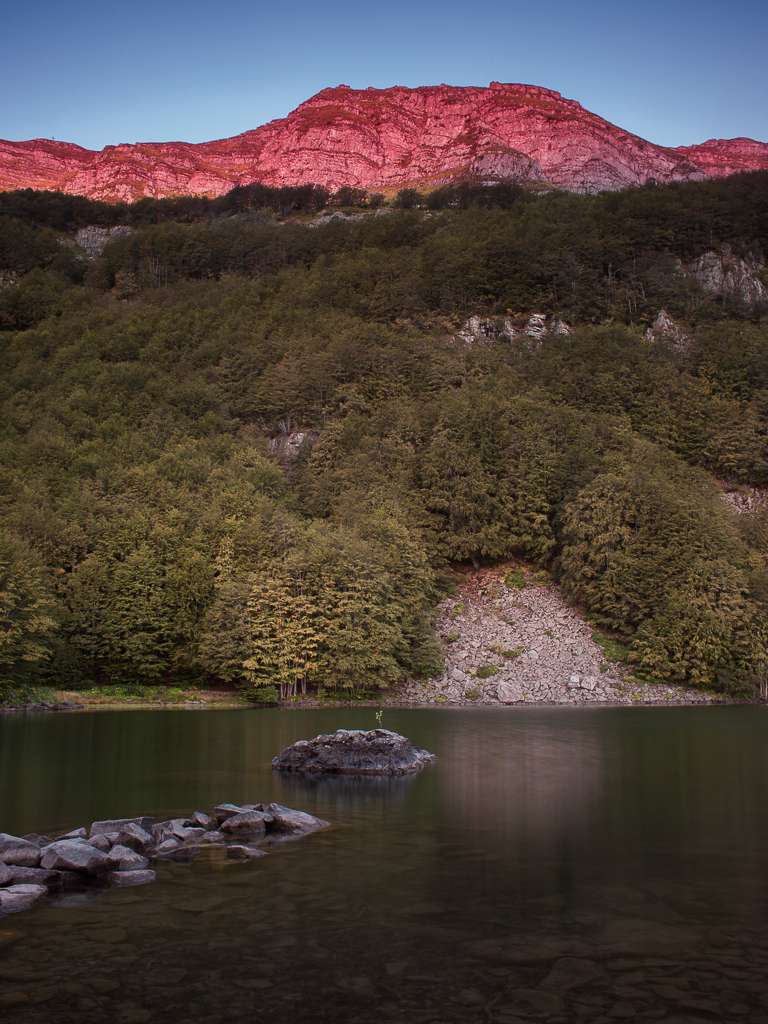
245,443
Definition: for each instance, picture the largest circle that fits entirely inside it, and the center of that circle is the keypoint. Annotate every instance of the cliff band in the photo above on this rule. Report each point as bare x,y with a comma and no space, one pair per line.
386,139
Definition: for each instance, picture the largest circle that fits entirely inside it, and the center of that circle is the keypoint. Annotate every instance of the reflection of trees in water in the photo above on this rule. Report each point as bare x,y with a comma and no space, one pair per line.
346,789
522,778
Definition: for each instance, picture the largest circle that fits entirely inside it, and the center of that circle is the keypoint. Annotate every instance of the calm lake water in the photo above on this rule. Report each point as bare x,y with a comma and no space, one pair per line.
554,864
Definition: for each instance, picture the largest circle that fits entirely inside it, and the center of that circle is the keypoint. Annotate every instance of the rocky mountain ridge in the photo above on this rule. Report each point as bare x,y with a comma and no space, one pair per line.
386,139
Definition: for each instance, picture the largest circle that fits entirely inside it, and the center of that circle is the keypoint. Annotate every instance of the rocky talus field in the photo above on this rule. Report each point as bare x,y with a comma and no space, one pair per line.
507,643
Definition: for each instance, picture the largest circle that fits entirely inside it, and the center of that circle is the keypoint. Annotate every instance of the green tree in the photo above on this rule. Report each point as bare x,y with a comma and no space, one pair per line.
27,623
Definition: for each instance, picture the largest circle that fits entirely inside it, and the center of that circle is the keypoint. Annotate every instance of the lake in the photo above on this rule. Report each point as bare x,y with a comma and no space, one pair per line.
554,864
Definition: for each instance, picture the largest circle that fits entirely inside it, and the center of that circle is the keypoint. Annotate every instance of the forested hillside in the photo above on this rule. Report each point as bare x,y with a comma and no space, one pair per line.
244,444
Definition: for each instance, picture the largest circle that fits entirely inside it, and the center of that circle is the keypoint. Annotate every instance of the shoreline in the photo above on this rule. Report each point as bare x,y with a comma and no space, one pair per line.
507,639
315,705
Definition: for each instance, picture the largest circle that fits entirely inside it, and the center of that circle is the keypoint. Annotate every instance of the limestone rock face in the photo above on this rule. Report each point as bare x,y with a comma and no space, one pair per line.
664,328
720,157
94,239
385,138
725,273
354,752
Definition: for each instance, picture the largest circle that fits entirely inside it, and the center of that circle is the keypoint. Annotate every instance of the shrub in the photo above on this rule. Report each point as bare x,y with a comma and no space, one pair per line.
516,579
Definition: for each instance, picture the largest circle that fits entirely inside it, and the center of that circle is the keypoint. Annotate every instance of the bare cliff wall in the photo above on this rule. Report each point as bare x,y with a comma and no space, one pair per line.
388,139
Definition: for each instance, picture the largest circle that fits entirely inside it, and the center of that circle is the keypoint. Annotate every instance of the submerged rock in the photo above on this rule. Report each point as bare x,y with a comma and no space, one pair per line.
20,897
127,878
354,752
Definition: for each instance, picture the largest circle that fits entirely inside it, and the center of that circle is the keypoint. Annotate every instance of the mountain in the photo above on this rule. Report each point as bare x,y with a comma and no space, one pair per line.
386,139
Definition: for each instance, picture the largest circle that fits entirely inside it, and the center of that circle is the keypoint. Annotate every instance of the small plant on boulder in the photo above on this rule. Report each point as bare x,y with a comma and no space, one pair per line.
485,672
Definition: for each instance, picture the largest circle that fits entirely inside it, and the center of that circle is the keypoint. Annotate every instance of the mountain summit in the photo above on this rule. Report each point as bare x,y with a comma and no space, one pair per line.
386,139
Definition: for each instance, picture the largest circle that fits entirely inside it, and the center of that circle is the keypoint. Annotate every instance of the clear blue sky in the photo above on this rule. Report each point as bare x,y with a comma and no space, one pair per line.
675,72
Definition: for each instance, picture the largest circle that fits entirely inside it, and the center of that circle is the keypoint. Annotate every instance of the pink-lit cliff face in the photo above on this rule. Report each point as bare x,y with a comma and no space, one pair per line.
386,139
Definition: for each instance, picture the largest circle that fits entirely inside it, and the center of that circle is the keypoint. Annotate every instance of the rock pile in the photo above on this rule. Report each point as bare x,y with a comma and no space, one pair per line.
118,852
39,705
353,752
522,644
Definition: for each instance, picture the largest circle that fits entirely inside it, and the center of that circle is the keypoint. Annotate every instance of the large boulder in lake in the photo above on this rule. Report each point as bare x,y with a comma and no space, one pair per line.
354,752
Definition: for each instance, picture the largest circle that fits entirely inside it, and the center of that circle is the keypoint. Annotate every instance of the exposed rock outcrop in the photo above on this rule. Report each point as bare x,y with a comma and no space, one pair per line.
386,139
287,445
664,328
94,239
746,502
720,157
353,752
724,273
532,329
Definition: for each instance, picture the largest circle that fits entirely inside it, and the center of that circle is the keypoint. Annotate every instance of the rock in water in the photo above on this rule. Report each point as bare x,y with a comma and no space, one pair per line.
354,752
20,852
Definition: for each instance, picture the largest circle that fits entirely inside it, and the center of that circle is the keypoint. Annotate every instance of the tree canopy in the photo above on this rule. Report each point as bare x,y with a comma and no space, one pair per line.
152,529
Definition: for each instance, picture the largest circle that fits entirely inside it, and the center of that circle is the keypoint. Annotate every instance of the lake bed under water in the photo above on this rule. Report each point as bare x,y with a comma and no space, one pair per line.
554,864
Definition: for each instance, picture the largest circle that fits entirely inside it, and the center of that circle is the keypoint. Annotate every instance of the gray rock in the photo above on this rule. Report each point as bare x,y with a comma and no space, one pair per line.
167,846
247,821
185,834
77,833
201,820
569,973
240,851
117,824
38,840
6,874
20,852
126,878
167,829
93,239
20,897
36,876
72,855
285,819
135,838
354,752
76,899
542,1002
212,839
180,855
100,842
123,858
224,811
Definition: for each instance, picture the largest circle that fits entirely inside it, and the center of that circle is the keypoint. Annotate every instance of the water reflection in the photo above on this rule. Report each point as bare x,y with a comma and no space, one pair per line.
345,790
520,778
636,840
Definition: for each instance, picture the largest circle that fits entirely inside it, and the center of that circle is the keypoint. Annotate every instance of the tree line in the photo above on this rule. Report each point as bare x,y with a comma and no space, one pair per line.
148,535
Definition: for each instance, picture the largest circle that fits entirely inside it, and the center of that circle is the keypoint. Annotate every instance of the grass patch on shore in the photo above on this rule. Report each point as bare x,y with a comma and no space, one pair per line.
614,651
135,693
